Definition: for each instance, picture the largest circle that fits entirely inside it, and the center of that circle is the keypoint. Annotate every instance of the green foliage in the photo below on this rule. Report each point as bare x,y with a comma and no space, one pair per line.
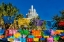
44,25
31,24
38,17
19,16
7,10
58,19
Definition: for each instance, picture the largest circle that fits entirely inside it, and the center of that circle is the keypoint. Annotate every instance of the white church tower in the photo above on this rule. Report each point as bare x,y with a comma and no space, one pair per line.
32,13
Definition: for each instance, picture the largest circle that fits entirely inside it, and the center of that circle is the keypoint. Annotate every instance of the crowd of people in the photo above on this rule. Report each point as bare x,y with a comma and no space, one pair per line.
13,33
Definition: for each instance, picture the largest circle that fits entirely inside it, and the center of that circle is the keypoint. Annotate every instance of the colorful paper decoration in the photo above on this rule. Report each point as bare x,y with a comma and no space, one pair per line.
23,21
26,32
60,31
62,37
30,36
50,39
8,19
38,22
61,23
36,39
2,36
36,33
21,32
62,34
29,39
56,38
38,36
24,36
2,31
52,32
42,39
17,35
10,39
56,32
46,36
23,39
47,32
17,40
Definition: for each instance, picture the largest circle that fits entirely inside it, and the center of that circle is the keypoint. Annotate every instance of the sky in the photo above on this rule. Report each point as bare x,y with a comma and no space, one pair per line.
46,9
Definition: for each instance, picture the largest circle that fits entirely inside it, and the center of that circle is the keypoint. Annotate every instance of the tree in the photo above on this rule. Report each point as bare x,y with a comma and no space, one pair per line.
32,25
7,10
38,17
19,16
44,25
58,19
1,12
10,10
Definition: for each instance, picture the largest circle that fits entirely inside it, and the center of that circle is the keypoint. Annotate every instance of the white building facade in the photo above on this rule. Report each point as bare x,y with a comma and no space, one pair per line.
32,13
